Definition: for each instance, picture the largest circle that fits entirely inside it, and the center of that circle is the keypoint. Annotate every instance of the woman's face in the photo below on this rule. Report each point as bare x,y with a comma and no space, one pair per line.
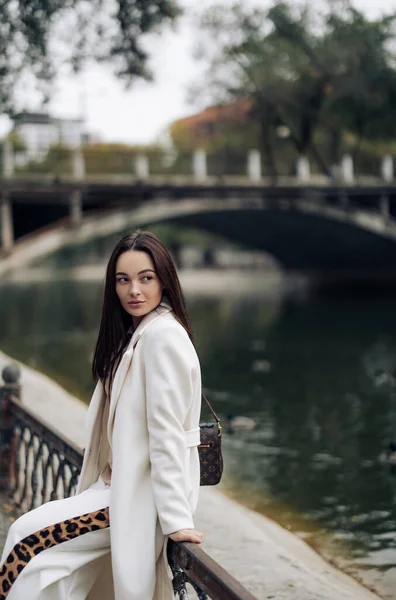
137,284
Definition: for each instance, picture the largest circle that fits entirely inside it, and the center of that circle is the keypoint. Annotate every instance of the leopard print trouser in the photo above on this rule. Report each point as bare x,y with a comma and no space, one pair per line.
34,544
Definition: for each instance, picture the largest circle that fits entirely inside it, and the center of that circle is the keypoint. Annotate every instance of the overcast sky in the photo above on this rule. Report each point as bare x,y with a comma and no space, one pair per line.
142,112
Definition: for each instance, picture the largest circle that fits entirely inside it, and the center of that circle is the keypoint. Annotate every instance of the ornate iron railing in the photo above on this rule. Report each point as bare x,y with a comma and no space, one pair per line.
38,463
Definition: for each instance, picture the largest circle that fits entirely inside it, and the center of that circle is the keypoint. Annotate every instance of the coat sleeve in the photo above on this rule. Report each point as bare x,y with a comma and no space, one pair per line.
169,393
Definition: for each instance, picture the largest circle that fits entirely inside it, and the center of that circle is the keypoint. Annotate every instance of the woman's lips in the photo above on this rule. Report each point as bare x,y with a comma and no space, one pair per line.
133,303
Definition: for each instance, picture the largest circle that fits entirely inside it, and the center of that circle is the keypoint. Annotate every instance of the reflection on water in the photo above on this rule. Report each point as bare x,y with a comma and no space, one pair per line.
318,376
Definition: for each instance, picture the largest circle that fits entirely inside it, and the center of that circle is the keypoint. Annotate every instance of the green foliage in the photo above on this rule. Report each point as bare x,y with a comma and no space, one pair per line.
108,159
37,36
323,76
57,161
16,141
120,158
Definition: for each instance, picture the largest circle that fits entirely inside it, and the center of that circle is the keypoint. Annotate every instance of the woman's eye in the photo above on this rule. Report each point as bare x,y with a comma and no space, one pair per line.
147,278
121,279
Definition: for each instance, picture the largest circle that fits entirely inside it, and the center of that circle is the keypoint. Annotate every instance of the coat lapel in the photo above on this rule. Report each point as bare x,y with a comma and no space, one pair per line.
92,433
126,360
94,409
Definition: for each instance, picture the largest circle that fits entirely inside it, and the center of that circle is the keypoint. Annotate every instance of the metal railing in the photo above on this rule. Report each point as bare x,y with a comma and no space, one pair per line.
38,463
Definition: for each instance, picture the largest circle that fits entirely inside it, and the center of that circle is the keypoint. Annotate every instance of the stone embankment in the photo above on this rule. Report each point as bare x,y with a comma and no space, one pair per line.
270,561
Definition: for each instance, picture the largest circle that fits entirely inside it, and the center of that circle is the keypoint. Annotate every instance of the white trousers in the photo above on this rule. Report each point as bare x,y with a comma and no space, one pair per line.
43,562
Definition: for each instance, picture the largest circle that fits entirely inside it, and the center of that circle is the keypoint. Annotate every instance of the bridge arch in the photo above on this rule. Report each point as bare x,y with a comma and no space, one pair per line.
301,234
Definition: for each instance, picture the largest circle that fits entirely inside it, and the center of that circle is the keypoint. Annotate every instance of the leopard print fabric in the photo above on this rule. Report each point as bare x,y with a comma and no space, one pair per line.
34,544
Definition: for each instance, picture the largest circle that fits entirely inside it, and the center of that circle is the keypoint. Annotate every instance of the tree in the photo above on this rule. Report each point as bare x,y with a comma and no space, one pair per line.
320,75
37,36
255,61
362,92
354,68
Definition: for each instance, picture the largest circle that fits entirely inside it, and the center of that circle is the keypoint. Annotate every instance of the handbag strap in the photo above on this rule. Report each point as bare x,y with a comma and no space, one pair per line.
210,408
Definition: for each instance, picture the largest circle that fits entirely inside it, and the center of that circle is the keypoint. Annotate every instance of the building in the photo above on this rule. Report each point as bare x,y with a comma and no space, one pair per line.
213,125
37,132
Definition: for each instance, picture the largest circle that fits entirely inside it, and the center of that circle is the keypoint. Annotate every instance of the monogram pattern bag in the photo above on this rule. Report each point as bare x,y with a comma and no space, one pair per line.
209,450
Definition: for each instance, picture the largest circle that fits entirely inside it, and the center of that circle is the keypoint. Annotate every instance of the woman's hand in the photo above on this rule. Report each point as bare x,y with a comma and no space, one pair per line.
186,535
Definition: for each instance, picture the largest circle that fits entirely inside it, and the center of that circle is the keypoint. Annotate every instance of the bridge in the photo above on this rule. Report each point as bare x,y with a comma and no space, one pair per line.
318,229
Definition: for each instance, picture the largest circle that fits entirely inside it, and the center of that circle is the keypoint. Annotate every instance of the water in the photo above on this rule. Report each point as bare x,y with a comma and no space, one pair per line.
317,374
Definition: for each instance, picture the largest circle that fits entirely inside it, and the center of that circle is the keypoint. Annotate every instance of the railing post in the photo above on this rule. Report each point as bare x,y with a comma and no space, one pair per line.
142,166
384,208
347,169
7,224
11,388
75,208
199,165
6,220
8,160
387,168
78,164
343,200
254,165
303,169
78,171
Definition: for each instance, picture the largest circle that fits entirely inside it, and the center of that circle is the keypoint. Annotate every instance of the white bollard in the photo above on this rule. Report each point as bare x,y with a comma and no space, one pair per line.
387,168
75,202
199,164
142,167
75,207
78,164
303,169
8,159
384,207
254,165
7,225
347,173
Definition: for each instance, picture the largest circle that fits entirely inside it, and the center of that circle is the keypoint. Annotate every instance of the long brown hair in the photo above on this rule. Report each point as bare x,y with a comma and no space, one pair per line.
112,338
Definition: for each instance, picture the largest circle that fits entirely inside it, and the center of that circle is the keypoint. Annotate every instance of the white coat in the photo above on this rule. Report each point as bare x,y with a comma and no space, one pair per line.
153,432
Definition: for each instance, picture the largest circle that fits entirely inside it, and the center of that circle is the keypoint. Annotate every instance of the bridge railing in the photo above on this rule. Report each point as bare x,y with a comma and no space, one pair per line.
117,160
38,463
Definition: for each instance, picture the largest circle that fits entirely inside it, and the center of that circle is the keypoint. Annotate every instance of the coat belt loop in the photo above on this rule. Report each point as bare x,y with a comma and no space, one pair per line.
193,437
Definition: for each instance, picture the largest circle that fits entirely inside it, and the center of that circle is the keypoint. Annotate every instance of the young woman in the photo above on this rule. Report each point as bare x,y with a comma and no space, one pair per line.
140,477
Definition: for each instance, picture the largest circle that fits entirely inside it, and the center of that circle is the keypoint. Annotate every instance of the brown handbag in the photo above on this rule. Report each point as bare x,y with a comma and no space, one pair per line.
209,450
